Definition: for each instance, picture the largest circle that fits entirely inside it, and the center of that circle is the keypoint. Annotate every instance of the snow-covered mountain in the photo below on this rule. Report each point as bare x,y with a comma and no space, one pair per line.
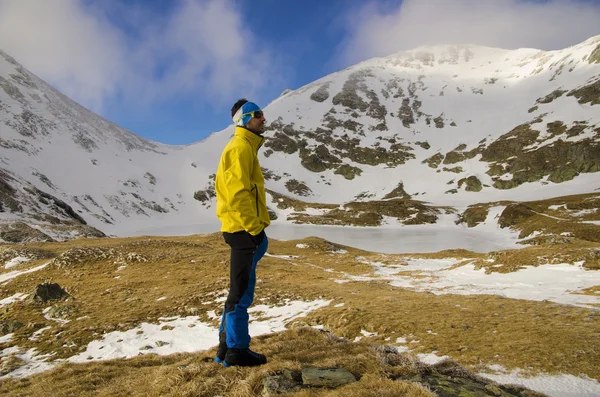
447,126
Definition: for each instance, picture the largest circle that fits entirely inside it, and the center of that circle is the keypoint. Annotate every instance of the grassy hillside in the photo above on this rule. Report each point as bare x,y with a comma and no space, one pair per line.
118,284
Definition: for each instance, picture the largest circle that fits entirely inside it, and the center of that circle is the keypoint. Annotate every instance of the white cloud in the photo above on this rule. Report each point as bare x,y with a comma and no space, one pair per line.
553,24
198,48
61,42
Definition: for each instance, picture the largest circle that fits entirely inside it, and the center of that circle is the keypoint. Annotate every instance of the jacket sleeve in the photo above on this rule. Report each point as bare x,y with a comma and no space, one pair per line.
239,190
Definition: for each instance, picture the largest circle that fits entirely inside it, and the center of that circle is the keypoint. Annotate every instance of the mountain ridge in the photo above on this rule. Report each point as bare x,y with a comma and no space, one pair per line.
415,125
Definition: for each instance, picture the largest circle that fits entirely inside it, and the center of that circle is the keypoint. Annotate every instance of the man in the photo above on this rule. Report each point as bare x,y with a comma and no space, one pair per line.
242,210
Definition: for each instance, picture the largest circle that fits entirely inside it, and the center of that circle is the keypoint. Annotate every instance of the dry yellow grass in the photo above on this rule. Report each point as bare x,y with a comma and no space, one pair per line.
379,372
115,284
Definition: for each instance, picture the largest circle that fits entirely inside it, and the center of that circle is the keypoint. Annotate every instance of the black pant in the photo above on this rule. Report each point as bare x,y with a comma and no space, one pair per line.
245,254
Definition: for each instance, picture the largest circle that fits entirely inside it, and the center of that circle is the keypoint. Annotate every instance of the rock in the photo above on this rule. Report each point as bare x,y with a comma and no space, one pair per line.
472,182
326,377
398,192
348,171
8,327
19,232
61,312
294,376
434,161
473,216
49,291
279,384
298,187
321,94
514,214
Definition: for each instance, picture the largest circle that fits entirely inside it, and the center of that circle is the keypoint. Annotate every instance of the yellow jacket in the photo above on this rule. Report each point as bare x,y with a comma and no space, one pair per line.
240,185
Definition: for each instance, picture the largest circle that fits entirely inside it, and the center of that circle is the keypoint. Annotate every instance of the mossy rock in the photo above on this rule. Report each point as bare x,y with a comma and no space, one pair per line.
434,161
595,55
369,213
298,187
533,109
62,312
323,152
349,97
556,128
20,232
473,216
561,161
422,219
587,94
269,175
379,155
425,145
337,217
552,96
48,292
285,202
313,163
514,214
328,154
352,125
281,142
458,154
344,144
398,192
205,195
454,157
510,144
439,121
347,171
473,184
456,170
272,214
379,127
376,110
11,90
8,327
576,129
330,122
201,195
405,113
505,184
401,209
563,174
321,94
8,194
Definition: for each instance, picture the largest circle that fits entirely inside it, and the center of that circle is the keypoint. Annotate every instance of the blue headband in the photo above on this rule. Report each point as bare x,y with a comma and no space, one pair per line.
242,116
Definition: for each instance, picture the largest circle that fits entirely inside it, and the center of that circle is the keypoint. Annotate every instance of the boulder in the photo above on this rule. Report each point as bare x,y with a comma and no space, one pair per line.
326,377
49,291
279,384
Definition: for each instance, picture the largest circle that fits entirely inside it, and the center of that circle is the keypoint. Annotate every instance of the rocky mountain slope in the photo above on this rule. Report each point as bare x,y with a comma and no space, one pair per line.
396,140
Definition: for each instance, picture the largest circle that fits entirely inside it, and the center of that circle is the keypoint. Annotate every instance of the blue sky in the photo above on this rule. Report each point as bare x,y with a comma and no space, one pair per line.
170,70
300,37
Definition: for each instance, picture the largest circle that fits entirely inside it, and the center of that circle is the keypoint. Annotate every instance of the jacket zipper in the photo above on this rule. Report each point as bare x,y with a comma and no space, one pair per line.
256,193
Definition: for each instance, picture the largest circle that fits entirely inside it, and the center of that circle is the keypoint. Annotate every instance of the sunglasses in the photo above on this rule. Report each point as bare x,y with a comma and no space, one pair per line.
257,114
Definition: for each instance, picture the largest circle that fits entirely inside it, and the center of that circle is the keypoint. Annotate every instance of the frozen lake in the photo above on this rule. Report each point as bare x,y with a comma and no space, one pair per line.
387,239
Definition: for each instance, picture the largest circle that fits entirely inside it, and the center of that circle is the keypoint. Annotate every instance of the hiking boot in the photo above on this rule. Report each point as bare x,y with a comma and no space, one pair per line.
243,358
221,351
